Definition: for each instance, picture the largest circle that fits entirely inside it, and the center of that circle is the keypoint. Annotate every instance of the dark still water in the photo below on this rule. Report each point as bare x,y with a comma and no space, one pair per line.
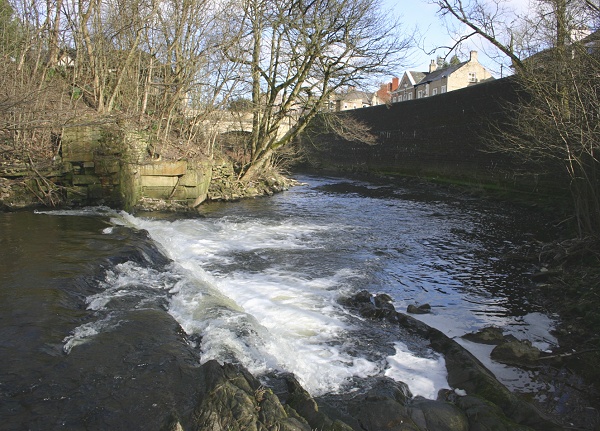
101,323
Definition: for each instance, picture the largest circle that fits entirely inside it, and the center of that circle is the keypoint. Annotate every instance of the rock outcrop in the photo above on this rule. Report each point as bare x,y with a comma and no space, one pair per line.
488,405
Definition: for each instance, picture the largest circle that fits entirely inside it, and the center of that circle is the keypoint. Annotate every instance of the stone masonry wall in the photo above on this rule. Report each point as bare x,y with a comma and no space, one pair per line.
438,136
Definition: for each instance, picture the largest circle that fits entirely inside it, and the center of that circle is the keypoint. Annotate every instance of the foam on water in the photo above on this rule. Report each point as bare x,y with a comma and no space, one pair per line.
424,376
83,333
128,279
279,318
80,212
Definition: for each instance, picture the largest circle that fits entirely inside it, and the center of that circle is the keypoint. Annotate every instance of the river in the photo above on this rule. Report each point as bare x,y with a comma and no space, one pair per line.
88,299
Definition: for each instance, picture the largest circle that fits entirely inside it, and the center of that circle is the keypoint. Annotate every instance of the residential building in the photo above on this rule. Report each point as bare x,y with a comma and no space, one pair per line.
453,77
383,96
351,99
580,39
417,85
406,86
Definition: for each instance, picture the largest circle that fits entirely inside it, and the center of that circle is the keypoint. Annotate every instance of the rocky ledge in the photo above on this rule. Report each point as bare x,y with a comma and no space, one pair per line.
230,398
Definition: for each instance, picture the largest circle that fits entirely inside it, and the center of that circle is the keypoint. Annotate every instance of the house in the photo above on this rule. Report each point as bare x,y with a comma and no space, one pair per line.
416,85
453,77
383,96
406,86
66,58
351,99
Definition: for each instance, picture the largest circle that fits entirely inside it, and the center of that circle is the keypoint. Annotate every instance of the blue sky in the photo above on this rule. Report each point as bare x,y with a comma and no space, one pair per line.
433,33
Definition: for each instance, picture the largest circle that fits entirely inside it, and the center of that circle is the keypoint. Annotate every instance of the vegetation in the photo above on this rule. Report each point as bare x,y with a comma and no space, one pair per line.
177,68
557,62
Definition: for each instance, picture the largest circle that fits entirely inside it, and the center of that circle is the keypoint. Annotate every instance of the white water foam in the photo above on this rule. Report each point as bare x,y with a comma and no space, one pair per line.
84,333
278,318
424,376
129,279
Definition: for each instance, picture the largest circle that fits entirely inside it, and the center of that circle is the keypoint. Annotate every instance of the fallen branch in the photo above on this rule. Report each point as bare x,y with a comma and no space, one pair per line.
569,354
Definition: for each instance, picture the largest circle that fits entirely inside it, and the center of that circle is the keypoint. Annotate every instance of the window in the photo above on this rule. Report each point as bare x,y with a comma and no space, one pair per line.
443,90
472,77
409,96
419,94
434,92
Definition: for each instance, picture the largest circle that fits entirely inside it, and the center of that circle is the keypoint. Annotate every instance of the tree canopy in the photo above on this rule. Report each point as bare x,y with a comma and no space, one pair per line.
171,65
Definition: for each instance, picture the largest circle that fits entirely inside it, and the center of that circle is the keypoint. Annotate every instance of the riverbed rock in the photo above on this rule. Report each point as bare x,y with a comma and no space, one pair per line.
389,406
298,399
483,415
438,415
383,300
232,399
418,309
488,335
516,352
465,373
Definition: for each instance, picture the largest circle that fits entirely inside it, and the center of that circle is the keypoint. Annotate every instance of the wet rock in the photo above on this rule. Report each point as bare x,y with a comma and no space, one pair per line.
544,274
304,405
384,301
388,405
465,373
232,399
485,416
363,296
489,335
516,352
440,416
419,309
384,407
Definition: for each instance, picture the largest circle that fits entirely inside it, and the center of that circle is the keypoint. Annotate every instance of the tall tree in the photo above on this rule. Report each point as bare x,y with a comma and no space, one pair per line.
556,58
298,53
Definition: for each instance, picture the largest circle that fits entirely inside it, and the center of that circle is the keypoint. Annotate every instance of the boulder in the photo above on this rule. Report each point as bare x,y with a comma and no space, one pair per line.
439,415
389,406
516,352
489,335
298,399
232,399
419,309
383,300
483,415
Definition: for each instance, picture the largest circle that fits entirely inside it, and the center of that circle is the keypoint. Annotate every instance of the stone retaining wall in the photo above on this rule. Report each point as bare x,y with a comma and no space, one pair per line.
439,136
110,165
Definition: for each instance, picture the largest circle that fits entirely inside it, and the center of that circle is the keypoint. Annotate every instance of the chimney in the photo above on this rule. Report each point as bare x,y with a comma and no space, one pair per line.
473,56
395,82
432,66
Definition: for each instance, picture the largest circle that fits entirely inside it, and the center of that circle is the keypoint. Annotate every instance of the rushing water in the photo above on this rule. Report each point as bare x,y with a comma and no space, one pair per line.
84,295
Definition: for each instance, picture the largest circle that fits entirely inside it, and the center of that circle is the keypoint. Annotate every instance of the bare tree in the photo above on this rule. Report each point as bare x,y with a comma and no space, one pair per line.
298,53
558,67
